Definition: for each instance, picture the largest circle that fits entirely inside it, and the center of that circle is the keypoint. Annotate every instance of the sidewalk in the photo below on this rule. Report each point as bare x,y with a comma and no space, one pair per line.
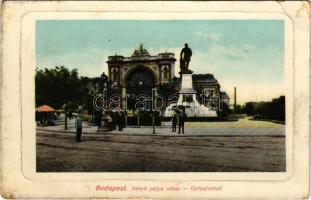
241,128
60,127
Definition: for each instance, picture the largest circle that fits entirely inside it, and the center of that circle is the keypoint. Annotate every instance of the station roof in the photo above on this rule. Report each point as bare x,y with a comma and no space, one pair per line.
204,78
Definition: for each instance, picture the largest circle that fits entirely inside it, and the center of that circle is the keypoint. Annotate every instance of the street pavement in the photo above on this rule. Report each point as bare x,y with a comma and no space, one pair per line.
239,146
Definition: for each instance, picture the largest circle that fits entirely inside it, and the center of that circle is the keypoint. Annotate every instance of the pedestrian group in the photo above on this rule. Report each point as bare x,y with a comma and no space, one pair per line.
179,119
116,121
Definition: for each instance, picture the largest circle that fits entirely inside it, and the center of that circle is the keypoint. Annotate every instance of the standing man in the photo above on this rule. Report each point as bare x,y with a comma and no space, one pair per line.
70,115
174,122
181,121
122,124
110,122
78,128
99,120
118,121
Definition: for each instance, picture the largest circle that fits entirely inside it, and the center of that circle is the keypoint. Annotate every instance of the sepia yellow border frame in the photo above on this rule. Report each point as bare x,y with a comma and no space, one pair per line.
18,144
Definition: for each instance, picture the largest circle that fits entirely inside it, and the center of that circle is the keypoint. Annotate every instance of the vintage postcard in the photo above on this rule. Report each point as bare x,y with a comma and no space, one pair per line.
155,99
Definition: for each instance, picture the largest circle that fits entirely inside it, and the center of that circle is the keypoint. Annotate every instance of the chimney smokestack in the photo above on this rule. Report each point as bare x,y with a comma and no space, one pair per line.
234,98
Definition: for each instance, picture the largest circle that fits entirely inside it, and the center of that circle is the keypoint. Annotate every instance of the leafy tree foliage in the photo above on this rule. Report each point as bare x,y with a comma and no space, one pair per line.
274,109
59,86
239,109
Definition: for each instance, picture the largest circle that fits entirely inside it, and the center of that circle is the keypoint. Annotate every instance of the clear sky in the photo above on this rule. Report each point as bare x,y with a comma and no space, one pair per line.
248,54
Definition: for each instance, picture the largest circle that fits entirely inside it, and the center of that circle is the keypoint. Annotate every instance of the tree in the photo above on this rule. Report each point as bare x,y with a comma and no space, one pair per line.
249,108
62,88
167,89
238,109
59,86
274,109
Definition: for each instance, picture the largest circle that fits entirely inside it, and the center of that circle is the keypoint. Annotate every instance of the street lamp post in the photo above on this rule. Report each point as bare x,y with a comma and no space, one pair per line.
124,102
104,80
65,110
107,85
154,93
153,124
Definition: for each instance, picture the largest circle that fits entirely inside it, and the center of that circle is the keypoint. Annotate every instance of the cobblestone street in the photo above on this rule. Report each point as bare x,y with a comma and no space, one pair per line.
244,150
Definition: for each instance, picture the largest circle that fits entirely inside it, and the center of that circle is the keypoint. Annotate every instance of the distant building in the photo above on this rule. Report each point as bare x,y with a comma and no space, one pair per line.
141,72
141,69
207,85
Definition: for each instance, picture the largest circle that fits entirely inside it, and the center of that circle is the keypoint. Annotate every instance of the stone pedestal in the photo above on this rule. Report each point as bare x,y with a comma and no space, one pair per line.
187,98
186,84
186,90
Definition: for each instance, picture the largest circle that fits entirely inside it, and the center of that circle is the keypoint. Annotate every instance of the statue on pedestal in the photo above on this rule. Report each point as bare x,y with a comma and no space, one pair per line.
185,56
187,98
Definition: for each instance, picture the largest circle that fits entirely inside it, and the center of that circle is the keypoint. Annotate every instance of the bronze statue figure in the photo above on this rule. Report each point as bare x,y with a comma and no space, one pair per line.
185,56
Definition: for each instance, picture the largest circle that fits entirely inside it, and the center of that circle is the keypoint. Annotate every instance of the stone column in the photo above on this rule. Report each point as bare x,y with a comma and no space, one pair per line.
172,71
124,106
119,75
160,74
123,95
109,72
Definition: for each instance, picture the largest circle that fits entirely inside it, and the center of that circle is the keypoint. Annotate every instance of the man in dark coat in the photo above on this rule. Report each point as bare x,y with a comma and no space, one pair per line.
70,115
99,120
181,121
79,129
174,123
119,120
122,120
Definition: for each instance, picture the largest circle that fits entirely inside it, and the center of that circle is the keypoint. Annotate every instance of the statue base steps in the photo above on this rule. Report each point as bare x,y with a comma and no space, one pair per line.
187,98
